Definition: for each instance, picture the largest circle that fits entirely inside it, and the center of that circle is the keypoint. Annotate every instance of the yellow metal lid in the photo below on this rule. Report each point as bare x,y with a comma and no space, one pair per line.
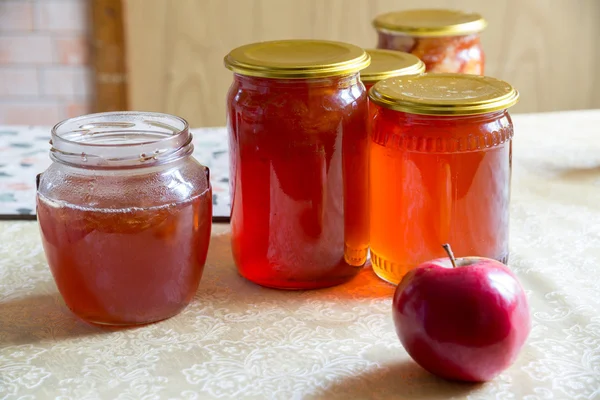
297,59
388,63
444,94
431,22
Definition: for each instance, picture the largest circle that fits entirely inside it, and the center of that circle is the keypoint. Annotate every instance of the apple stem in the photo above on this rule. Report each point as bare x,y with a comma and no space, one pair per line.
448,249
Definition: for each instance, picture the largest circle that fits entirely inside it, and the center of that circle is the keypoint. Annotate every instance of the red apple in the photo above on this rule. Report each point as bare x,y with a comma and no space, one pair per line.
462,319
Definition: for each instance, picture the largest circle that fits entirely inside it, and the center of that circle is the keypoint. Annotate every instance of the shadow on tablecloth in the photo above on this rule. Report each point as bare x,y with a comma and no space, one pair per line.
402,380
38,318
222,273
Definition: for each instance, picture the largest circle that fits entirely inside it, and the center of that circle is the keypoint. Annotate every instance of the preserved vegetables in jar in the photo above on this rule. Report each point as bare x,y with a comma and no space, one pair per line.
125,216
445,40
297,115
440,169
389,63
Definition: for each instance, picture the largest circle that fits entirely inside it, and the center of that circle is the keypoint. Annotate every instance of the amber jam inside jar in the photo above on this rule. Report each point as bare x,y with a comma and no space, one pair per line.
440,169
125,216
445,40
297,115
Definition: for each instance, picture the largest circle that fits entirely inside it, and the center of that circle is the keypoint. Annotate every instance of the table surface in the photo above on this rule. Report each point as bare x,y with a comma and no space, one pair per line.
238,340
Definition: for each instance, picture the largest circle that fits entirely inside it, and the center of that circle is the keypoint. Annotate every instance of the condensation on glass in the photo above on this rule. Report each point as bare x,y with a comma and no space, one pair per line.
297,115
125,216
445,40
440,169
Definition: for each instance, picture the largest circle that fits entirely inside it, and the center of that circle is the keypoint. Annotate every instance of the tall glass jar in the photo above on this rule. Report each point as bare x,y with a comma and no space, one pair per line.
389,63
297,115
446,40
125,216
440,169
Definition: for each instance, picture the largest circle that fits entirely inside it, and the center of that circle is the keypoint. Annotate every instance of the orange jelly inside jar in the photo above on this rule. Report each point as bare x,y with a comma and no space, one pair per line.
126,237
440,170
445,40
299,163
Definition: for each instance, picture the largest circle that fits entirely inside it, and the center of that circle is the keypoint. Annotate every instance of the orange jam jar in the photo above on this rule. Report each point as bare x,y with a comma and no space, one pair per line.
125,216
297,122
445,40
389,63
440,169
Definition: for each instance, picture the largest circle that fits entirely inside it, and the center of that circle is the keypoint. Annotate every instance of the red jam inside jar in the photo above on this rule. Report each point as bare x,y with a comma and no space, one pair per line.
445,40
125,216
440,170
299,163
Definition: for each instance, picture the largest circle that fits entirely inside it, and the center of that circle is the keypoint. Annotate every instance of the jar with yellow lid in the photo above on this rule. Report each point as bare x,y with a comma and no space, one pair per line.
440,169
389,63
446,40
297,122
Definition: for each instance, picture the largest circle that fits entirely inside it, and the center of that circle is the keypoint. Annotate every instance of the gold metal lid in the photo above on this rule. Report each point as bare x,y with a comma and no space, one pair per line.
431,22
444,94
388,63
297,59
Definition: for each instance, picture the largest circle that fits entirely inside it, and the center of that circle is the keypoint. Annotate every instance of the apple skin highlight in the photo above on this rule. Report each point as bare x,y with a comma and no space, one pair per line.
467,323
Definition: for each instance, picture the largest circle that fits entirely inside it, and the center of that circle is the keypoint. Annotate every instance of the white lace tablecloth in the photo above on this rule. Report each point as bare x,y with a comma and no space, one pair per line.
238,340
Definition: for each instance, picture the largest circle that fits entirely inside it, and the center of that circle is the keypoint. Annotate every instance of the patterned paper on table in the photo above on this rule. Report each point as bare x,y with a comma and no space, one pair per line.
24,154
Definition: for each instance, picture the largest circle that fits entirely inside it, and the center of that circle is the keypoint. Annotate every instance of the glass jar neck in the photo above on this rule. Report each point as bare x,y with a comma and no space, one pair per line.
471,35
455,119
441,133
253,82
120,140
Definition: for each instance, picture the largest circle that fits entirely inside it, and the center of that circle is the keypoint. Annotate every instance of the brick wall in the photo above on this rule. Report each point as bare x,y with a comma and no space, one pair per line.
44,53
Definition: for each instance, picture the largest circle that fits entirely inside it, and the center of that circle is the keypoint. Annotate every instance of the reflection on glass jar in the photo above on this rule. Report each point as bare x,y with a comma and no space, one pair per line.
299,162
125,216
440,169
445,40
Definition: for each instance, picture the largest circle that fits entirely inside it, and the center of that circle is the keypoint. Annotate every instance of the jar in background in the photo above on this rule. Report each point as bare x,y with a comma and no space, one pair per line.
440,169
445,40
125,216
297,122
389,63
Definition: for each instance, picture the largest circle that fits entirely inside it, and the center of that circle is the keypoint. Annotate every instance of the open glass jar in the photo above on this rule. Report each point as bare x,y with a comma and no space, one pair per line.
125,216
440,169
297,121
445,40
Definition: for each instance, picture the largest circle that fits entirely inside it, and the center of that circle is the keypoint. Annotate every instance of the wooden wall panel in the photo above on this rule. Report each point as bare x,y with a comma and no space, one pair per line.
108,49
549,50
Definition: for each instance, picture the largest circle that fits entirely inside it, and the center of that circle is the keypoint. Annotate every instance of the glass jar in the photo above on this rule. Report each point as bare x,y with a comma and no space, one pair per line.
297,115
125,216
389,63
440,169
445,40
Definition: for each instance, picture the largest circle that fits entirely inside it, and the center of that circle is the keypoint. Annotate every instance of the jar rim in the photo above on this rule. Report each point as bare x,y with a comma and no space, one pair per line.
430,22
120,139
297,59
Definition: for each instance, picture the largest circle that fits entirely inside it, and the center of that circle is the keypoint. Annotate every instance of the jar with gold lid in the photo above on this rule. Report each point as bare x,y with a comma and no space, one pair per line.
440,169
446,40
389,63
296,116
